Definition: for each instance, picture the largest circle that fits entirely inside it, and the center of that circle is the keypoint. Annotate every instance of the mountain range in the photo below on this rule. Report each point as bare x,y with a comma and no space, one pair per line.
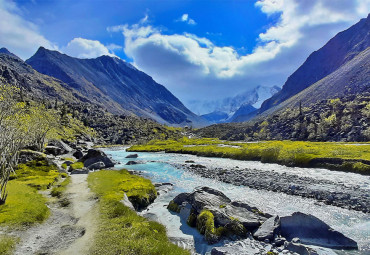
238,108
115,85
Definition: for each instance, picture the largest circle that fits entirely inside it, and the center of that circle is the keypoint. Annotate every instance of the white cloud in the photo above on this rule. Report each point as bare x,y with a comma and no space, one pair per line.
186,63
84,48
19,35
185,18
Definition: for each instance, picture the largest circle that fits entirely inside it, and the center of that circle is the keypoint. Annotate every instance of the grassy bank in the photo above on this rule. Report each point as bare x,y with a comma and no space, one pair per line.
348,157
121,230
24,205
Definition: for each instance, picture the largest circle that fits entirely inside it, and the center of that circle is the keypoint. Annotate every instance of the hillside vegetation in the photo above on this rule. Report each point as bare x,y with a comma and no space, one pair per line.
338,119
338,156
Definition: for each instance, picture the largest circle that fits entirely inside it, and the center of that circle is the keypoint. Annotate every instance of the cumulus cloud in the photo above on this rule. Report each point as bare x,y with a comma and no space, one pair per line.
186,63
185,18
84,48
19,35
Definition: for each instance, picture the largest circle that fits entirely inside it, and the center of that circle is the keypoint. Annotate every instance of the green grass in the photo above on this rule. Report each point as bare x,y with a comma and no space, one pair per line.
121,230
7,244
291,153
59,189
69,159
140,191
77,165
37,173
23,207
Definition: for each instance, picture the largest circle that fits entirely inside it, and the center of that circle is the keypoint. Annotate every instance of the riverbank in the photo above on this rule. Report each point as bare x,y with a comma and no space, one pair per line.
160,168
347,157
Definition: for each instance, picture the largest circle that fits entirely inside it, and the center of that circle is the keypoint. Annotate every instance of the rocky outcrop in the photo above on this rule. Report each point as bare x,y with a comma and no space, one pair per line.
94,156
311,230
215,215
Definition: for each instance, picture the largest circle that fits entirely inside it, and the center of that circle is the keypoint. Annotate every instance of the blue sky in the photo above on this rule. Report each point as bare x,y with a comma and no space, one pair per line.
201,50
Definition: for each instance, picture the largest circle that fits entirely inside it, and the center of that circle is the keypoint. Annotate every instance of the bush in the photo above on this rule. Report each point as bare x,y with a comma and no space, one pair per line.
77,165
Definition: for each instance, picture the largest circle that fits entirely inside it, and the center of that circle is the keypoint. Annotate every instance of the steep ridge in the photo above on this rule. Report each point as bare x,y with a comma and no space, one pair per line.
340,50
15,71
115,85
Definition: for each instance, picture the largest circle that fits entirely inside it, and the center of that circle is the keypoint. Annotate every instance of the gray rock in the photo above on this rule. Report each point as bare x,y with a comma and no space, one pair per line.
268,229
68,163
53,150
132,156
97,165
131,163
311,230
78,154
93,156
127,202
29,155
300,249
233,250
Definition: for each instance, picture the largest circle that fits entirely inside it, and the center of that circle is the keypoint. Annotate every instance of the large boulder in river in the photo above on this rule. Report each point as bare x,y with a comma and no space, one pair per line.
94,156
313,231
224,216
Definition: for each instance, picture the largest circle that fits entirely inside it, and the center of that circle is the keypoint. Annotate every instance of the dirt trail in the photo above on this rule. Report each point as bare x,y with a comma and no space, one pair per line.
68,230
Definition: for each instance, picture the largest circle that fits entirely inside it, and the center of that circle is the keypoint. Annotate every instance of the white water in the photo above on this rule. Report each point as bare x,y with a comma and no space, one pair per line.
353,224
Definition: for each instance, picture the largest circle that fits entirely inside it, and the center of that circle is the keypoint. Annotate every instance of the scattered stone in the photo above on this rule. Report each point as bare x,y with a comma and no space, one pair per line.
132,156
131,163
189,161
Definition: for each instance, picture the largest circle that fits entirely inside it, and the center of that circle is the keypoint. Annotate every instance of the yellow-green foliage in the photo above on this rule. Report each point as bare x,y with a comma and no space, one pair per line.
7,244
206,226
172,206
113,183
77,165
291,153
69,159
37,173
23,206
121,230
59,189
64,166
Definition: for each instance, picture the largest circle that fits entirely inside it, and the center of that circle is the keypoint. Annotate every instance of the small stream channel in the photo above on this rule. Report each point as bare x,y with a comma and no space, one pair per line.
158,167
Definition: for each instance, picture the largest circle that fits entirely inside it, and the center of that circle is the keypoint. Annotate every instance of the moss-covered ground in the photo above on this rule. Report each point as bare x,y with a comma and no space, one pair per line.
121,230
352,157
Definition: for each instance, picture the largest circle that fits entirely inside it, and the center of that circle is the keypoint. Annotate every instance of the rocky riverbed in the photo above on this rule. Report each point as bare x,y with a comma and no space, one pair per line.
329,192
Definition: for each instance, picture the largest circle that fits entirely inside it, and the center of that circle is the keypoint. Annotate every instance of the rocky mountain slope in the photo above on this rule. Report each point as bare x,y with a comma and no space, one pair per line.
115,85
344,49
53,93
